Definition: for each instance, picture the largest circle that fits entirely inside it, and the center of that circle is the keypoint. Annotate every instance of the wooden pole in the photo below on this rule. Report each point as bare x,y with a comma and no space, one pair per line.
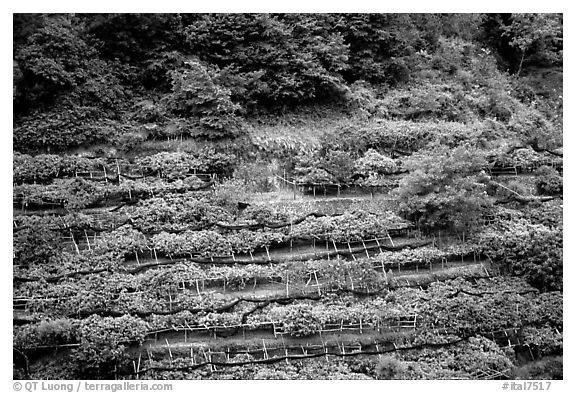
317,283
365,249
87,239
73,241
267,253
169,350
118,168
265,350
390,238
350,248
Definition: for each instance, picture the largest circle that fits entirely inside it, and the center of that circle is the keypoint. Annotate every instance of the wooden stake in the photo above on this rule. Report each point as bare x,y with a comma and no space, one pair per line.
390,238
317,283
87,239
118,168
169,350
265,350
350,248
365,249
73,241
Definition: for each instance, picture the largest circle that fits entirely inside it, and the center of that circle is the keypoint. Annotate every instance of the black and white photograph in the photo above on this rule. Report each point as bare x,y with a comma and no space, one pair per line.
286,196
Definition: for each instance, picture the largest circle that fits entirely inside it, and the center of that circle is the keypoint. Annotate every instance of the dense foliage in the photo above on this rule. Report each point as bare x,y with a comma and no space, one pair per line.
445,187
311,196
129,77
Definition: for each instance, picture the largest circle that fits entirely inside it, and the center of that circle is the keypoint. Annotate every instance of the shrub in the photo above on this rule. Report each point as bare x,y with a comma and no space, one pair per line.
546,368
390,368
103,343
35,245
195,94
324,166
532,250
231,192
375,163
548,181
445,187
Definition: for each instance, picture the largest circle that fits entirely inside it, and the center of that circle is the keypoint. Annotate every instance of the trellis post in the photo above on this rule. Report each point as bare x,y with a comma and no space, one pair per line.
73,241
267,253
390,238
87,239
317,283
365,249
350,249
169,350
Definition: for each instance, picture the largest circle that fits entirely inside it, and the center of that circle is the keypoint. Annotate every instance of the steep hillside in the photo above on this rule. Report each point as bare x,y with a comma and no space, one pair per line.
283,196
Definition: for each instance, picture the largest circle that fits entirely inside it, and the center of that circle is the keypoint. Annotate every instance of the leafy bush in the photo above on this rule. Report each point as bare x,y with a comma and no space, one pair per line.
35,245
546,368
534,251
103,343
195,94
548,181
543,341
445,187
324,166
390,368
230,193
375,163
